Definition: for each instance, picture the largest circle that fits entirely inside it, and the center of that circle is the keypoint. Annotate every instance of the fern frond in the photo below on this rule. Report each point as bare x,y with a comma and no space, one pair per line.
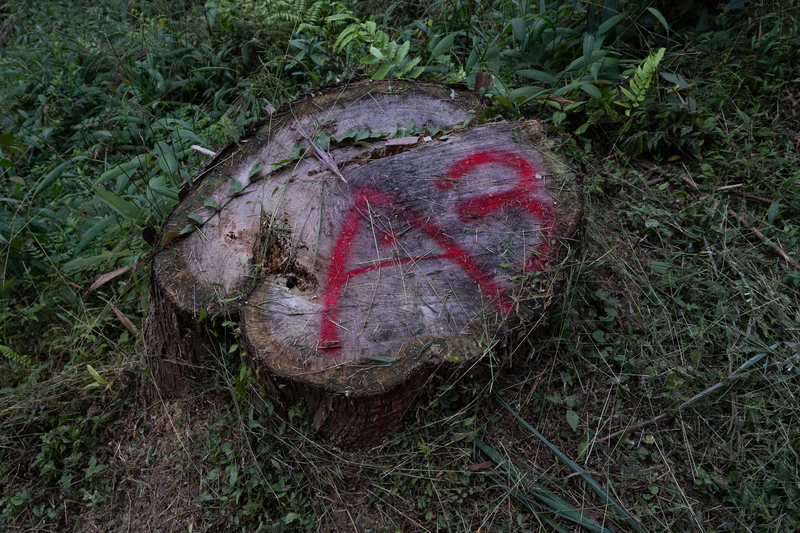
641,81
405,69
11,355
347,35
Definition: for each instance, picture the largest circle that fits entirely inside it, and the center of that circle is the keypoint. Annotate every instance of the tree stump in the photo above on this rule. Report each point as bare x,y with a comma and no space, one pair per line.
408,240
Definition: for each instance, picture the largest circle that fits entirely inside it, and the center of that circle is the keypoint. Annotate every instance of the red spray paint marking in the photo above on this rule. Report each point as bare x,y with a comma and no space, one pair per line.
518,197
338,276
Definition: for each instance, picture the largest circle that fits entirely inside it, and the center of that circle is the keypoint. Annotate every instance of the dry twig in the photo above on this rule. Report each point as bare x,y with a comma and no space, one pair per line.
775,248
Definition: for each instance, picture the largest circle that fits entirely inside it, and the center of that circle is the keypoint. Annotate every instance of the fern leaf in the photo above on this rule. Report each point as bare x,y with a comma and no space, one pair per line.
403,51
641,81
11,355
382,72
347,35
408,66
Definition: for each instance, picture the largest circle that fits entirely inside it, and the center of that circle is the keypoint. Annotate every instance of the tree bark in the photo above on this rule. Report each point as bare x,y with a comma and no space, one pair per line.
407,242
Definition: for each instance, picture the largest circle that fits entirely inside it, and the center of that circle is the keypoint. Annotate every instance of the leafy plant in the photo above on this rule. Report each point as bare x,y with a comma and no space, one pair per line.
640,81
393,59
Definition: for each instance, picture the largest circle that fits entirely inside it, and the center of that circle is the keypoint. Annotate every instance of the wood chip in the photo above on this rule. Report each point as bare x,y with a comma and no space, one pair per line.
481,466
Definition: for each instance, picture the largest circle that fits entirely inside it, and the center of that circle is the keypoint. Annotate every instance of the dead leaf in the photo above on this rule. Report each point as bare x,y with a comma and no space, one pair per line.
482,80
481,466
183,192
122,318
204,151
149,234
168,237
105,278
726,187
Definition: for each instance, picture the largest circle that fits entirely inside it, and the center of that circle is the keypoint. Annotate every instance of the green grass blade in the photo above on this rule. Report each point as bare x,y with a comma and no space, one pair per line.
600,491
51,177
554,502
93,232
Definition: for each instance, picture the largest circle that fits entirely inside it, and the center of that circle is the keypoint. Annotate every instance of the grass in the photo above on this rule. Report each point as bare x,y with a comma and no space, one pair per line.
676,290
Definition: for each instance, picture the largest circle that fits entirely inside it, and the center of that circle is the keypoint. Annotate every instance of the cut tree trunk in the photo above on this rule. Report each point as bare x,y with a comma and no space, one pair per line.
408,241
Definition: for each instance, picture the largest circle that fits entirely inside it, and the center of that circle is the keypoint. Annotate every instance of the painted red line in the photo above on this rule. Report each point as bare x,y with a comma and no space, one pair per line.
394,262
516,198
338,277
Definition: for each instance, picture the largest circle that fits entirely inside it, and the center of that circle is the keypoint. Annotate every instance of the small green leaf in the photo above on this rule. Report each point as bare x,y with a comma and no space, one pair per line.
240,390
6,163
125,168
572,419
236,186
165,192
295,152
323,142
773,211
194,217
592,91
123,207
528,93
538,75
520,29
583,447
610,23
676,79
93,232
168,164
11,143
210,202
377,53
255,169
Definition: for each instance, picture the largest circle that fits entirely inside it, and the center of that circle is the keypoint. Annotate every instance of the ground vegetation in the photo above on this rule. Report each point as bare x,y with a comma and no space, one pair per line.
661,394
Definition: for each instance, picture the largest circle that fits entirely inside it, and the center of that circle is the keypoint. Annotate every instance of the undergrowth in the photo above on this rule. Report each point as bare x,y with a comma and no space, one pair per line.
685,130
